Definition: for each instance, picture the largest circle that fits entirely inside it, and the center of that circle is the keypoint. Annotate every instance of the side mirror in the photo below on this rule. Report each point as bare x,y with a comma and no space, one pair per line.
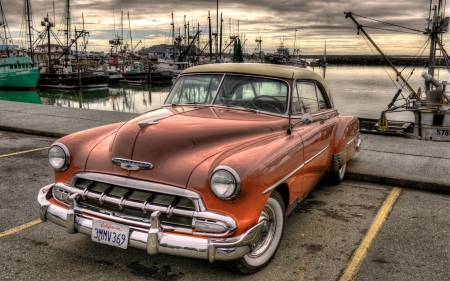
307,118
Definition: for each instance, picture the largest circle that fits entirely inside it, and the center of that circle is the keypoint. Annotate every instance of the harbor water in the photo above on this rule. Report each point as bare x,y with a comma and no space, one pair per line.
361,91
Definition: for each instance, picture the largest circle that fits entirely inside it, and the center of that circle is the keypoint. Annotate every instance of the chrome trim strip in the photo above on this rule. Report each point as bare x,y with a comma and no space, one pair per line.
323,112
299,116
293,205
293,172
156,241
356,136
338,158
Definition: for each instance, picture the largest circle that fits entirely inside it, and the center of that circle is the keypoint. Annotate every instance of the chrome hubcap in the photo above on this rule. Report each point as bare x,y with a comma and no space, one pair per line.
267,231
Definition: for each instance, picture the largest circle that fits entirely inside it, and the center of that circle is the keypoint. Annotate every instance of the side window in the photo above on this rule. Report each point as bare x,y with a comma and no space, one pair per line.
296,102
321,100
311,97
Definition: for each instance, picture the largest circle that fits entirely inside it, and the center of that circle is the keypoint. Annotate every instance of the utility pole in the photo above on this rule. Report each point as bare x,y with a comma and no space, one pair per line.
295,39
173,39
217,26
210,39
220,49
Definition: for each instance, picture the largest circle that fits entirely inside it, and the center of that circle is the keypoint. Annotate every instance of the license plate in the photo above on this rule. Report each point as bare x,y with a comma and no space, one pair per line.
113,234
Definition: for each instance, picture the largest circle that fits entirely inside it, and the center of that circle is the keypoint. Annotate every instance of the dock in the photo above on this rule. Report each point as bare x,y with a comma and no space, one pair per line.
383,159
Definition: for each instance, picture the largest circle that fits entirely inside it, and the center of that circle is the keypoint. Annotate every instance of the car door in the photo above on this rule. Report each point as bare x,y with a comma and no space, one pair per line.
316,122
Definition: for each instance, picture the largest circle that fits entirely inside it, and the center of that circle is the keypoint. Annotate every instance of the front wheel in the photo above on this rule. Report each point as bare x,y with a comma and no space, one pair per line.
272,231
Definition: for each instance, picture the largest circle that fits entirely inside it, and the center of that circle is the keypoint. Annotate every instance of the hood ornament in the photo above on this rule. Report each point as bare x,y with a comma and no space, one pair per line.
131,165
152,121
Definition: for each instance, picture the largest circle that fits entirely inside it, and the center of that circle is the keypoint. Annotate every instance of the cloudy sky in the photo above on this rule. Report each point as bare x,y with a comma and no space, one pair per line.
274,21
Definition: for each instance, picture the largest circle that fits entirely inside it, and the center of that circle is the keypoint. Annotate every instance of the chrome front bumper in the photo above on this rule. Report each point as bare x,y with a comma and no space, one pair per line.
155,240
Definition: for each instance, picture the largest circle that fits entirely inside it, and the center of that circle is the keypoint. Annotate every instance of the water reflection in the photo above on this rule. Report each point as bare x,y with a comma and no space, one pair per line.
20,96
362,91
122,98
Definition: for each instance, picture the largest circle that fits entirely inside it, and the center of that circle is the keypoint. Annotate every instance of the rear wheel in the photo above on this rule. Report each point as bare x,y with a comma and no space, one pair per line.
273,217
337,177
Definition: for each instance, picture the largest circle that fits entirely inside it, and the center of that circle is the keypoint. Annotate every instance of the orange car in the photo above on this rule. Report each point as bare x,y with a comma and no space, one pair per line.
210,175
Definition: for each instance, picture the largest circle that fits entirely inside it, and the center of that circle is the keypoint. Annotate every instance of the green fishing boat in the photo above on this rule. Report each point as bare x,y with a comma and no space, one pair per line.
17,73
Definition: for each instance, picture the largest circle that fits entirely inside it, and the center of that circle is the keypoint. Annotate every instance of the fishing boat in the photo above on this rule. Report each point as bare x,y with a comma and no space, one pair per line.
58,72
16,72
431,108
138,73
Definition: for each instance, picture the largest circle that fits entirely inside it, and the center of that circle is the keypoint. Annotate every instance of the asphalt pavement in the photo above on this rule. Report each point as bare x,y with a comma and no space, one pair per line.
389,160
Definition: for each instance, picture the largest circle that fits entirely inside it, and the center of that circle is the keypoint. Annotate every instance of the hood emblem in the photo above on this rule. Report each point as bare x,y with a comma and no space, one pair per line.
131,165
152,121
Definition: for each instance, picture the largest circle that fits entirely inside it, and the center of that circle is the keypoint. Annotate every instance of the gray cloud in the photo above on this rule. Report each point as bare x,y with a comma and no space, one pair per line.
275,21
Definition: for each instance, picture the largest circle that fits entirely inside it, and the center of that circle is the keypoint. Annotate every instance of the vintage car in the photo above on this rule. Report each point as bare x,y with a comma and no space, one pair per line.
212,174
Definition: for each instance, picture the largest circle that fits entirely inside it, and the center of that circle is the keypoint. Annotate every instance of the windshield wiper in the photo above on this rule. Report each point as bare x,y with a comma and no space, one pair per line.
243,108
181,104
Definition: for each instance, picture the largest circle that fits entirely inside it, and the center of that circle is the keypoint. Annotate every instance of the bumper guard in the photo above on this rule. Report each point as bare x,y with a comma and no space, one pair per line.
155,240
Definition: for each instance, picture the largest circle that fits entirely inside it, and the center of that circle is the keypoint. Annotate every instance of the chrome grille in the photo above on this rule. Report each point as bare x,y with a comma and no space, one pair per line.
132,201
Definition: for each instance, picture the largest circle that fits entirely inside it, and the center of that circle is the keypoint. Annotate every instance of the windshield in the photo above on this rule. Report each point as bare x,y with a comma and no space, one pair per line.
194,89
254,93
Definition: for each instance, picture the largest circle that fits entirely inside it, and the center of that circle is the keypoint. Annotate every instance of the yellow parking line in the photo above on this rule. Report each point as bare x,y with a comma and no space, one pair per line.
26,151
358,256
19,228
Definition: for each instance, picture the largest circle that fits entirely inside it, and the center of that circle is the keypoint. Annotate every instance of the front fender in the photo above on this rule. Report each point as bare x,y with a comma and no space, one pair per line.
259,167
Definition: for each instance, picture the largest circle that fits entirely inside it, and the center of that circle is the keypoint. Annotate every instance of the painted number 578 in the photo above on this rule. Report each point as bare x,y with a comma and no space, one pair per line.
442,132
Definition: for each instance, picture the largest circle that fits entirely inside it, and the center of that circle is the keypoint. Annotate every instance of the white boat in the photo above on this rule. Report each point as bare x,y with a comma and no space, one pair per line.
431,108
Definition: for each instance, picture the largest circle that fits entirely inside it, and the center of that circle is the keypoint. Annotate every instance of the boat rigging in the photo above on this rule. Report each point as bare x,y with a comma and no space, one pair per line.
432,111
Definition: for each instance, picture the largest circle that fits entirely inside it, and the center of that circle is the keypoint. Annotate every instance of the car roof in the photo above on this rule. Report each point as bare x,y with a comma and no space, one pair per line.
273,70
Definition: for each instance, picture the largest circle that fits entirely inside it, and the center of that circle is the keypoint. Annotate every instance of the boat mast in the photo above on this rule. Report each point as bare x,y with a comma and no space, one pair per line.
129,28
29,27
173,39
67,33
4,24
438,27
48,24
220,44
359,27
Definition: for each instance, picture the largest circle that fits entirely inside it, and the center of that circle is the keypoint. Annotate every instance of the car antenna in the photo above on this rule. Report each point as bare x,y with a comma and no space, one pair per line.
289,130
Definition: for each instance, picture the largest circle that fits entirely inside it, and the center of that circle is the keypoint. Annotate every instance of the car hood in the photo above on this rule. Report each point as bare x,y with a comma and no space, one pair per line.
177,139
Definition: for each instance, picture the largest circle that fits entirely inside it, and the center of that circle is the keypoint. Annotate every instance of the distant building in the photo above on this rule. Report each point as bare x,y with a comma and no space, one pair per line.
165,51
12,49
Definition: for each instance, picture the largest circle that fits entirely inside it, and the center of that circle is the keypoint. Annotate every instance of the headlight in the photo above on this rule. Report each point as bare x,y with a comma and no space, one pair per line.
58,156
225,183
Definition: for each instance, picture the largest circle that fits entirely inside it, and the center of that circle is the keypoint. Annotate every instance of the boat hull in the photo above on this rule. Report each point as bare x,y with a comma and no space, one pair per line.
165,76
17,73
71,81
19,80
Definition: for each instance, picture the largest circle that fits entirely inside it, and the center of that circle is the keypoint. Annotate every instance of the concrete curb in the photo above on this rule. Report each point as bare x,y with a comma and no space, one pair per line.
394,161
409,184
32,132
